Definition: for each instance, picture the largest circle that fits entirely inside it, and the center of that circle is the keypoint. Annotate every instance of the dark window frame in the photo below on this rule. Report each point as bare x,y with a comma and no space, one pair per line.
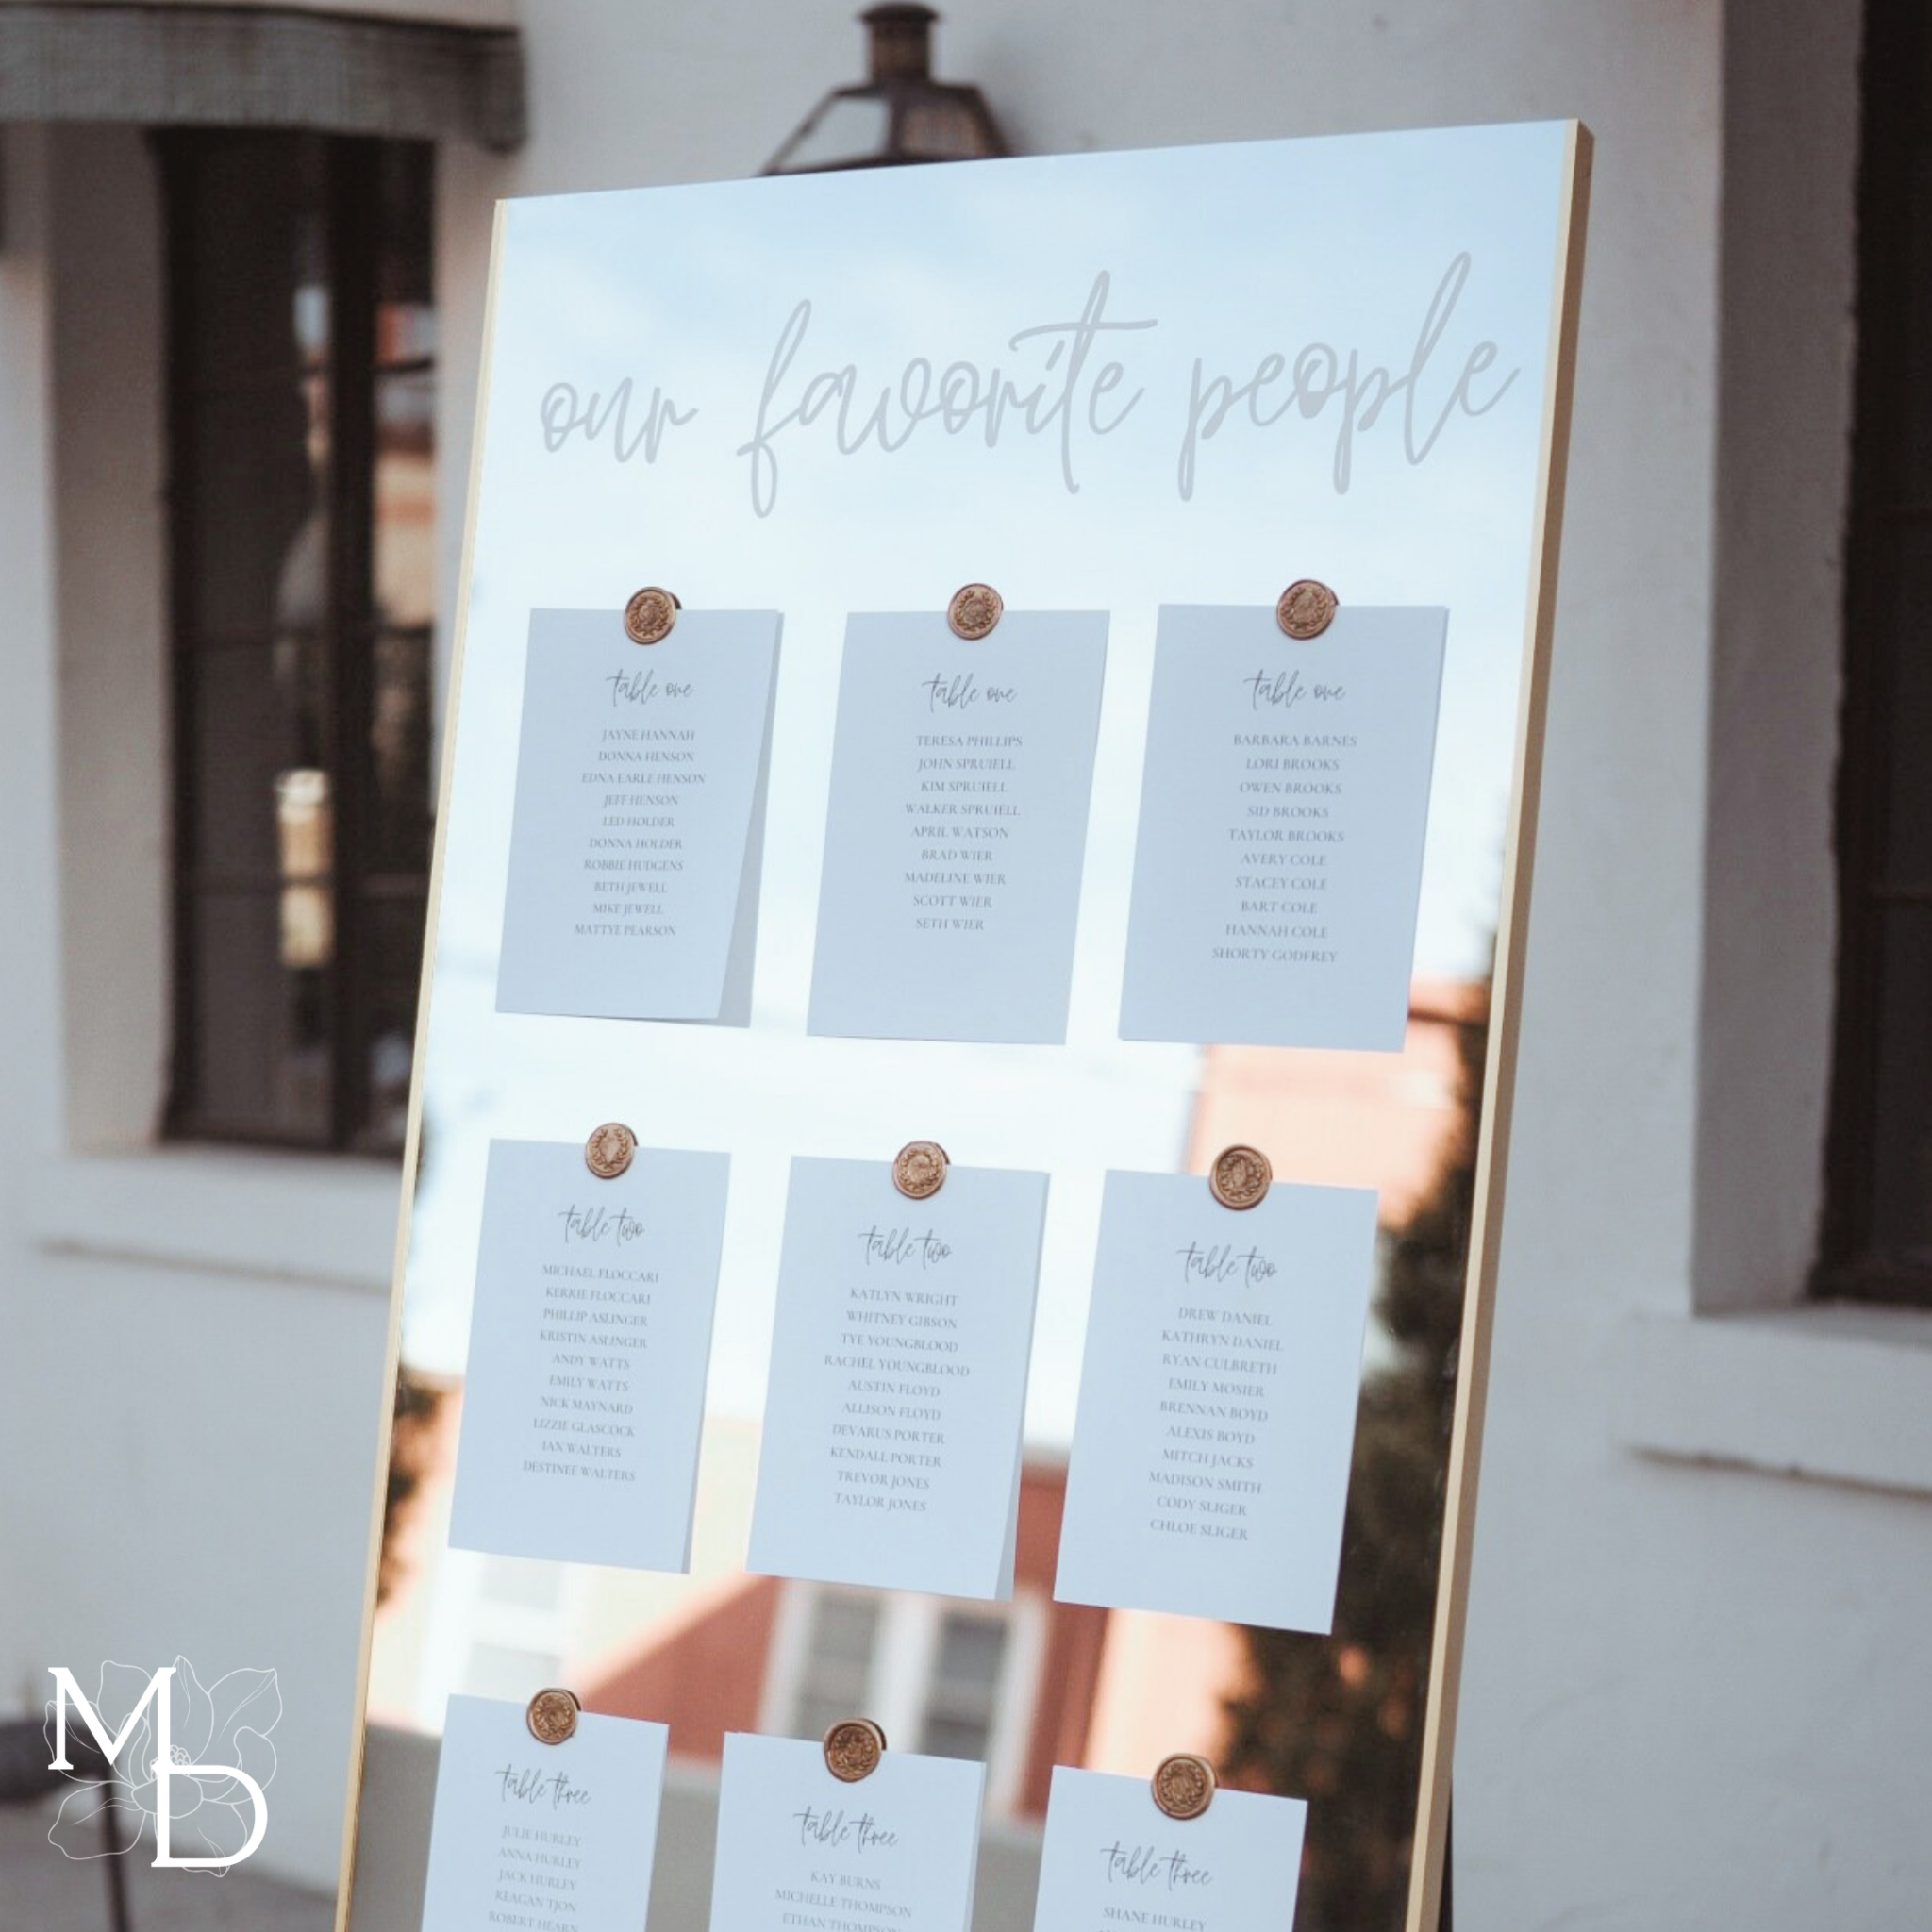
352,183
1884,863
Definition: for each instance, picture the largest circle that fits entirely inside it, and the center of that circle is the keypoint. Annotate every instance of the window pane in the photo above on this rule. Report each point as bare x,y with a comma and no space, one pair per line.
256,713
964,1692
1907,817
406,395
250,251
305,829
254,555
1902,1180
401,784
301,371
392,945
842,1631
816,1715
951,1737
404,536
1913,243
837,1677
405,176
1877,1225
971,1649
259,1059
250,720
846,130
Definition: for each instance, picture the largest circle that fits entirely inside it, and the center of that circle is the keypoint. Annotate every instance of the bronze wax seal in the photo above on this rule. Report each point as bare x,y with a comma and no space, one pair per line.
552,1716
1240,1177
852,1749
974,612
1306,609
649,615
918,1169
608,1150
1184,1785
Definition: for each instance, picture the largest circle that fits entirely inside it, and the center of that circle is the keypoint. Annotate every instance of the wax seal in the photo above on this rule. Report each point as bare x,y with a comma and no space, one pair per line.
918,1169
1184,1785
608,1150
552,1716
649,615
1240,1177
1306,609
974,612
852,1749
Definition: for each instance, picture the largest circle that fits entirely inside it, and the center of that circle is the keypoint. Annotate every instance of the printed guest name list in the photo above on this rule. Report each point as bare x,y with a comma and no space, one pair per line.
1216,1422
590,1340
550,1839
631,891
1282,809
891,1445
957,827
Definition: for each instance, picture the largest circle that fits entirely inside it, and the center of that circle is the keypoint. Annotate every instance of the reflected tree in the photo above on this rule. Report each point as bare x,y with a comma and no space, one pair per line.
1338,1720
412,1440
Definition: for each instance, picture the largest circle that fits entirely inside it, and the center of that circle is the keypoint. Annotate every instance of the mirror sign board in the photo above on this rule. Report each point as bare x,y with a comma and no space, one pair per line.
1163,548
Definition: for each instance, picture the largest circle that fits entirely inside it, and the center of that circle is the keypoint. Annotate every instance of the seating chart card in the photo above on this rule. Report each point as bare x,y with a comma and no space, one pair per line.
543,1835
640,808
898,1382
1282,816
961,774
796,1846
1113,1860
1211,1450
589,1344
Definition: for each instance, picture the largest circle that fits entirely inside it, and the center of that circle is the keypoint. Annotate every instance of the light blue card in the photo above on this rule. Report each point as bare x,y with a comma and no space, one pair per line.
639,819
898,1384
590,1340
531,1834
1111,1857
1216,1423
957,824
796,1847
1283,808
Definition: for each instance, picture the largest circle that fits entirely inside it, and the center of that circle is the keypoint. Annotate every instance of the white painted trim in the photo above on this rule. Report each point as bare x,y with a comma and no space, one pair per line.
902,1666
1016,1705
503,1625
1833,1393
786,1659
326,1220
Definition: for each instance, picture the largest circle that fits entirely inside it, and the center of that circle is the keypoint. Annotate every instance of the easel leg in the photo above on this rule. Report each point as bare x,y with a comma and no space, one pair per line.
117,1876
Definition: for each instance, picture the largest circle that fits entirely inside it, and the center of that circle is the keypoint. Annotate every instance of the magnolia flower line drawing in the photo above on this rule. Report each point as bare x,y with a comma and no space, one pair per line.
215,1727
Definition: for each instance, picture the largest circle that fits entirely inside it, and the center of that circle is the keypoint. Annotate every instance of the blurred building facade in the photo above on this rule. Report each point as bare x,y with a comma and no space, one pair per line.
1692,1694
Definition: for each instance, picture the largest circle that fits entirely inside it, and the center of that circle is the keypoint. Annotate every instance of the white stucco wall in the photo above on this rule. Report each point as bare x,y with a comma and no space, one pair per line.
190,1340
109,478
1693,1696
1702,1541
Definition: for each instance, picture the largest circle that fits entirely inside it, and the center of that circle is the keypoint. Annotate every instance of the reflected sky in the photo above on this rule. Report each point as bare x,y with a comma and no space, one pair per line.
1235,253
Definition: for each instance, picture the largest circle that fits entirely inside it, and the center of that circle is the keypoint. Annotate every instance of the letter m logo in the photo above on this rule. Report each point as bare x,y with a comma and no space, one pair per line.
164,1768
